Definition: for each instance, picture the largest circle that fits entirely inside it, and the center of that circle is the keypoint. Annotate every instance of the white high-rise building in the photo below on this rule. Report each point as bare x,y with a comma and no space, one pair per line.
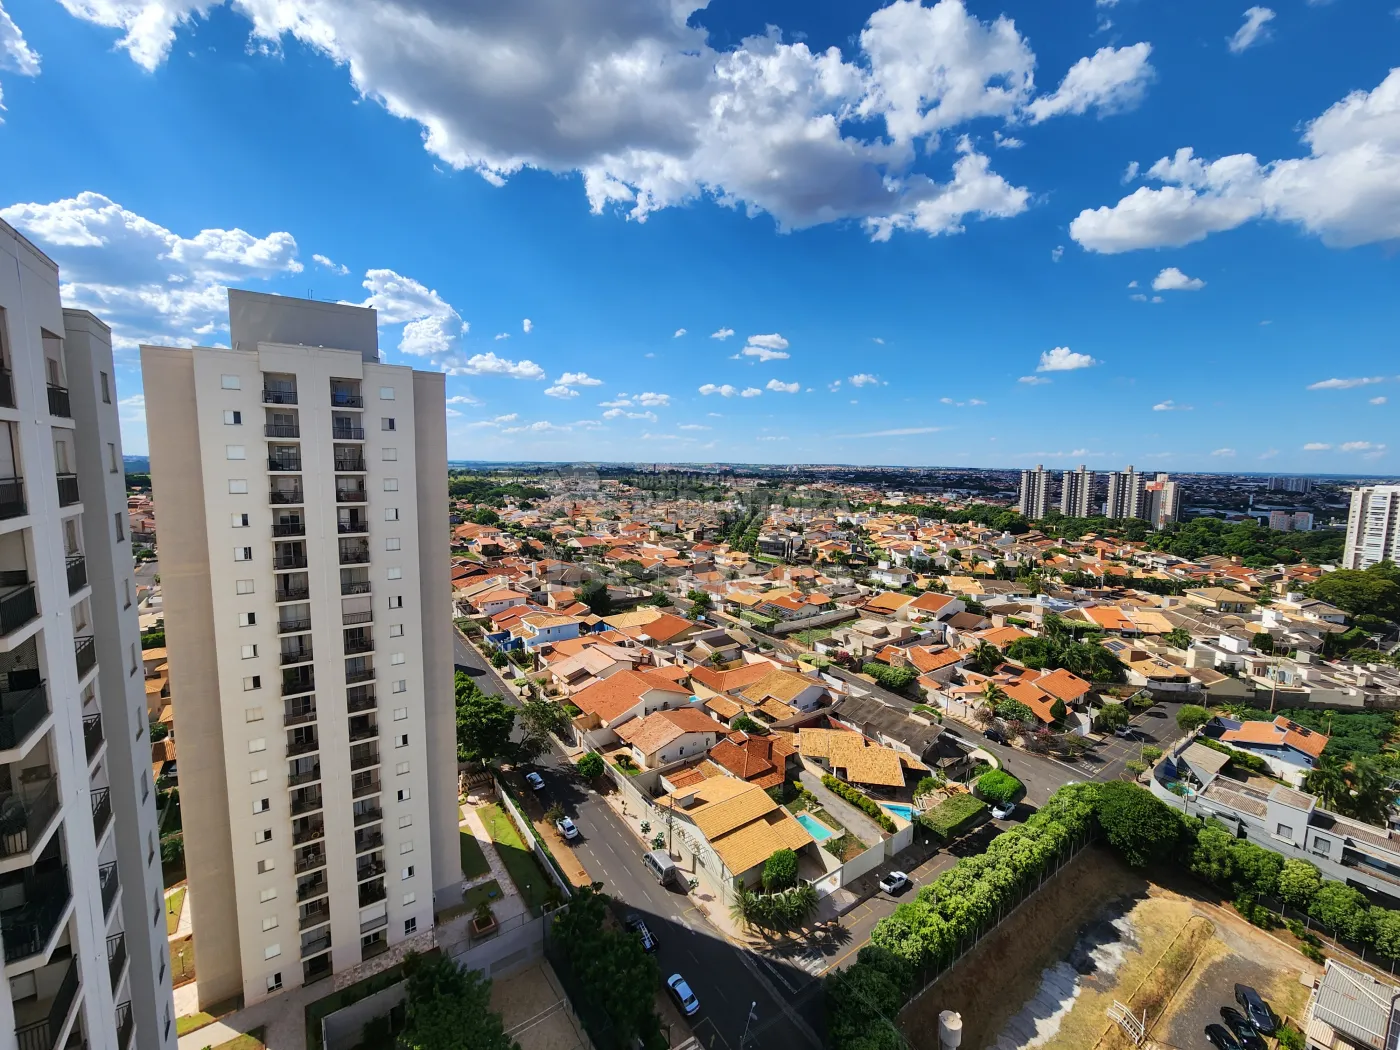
81,902
1034,498
1126,489
1373,527
1161,502
1077,493
302,487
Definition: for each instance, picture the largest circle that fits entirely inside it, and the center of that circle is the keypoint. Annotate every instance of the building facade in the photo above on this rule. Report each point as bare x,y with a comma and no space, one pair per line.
1373,527
1161,501
82,905
307,601
1034,499
1126,489
1077,493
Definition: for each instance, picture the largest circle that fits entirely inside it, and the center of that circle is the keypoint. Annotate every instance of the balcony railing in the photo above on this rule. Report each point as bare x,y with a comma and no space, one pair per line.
350,495
314,887
297,626
289,561
285,497
27,928
294,682
371,870
370,925
361,698
59,402
84,653
362,786
282,430
300,655
314,915
42,1034
363,757
92,735
352,528
348,433
307,803
309,832
126,1025
23,821
298,712
369,731
354,557
310,861
68,490
279,396
116,958
288,528
356,616
358,644
342,400
368,840
108,883
276,463
367,816
354,586
314,945
21,712
378,946
77,573
361,674
101,812
304,745
317,969
355,464
7,389
308,776
293,593
19,606
372,892
12,503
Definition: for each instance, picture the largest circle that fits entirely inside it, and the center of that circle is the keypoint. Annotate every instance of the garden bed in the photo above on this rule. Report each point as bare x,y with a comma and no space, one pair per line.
531,880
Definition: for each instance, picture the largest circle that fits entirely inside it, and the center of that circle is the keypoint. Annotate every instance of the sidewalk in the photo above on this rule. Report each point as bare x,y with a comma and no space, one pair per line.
185,926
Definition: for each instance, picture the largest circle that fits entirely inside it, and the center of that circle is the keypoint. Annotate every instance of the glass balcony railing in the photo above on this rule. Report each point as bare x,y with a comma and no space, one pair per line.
12,503
24,818
77,573
59,402
68,490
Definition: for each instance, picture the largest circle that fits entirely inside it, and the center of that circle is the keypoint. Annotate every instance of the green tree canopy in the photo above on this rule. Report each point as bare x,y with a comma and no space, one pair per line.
780,871
590,766
1362,592
1141,827
594,594
484,724
449,1008
1191,717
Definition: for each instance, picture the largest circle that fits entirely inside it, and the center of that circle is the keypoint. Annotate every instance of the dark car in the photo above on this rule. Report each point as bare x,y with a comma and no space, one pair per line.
1254,1007
1245,1032
1218,1036
995,734
638,925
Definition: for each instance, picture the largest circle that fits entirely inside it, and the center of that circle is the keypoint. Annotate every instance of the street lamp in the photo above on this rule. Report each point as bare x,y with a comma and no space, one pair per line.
753,1013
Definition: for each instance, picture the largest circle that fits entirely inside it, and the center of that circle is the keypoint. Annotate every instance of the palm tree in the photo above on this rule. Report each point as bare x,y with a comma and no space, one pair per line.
1371,792
985,658
1328,781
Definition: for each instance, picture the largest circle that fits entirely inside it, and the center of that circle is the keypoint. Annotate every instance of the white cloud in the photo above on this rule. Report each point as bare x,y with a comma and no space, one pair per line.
488,364
1346,191
1170,406
1316,446
764,354
16,56
769,342
527,326
972,401
462,399
783,388
330,264
1345,384
431,327
502,335
1062,359
723,391
1268,453
1034,380
1225,453
538,427
693,426
1057,252
578,379
498,421
1130,172
149,283
834,385
1006,141
1378,400
750,391
896,432
1111,80
679,332
561,391
652,400
1252,31
864,379
722,334
1132,284
622,413
1173,280
132,409
1360,446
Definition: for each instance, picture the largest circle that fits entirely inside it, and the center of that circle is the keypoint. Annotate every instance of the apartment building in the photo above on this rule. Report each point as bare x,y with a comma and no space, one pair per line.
1373,527
1126,490
304,555
81,902
1077,493
1161,501
1034,499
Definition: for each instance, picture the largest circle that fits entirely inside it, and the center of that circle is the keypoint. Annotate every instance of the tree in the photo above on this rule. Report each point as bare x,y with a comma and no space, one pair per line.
1178,638
590,766
747,724
895,679
1111,716
1298,883
594,594
172,848
484,724
985,658
1343,908
1374,591
538,719
780,871
1137,824
1328,781
1058,711
1191,717
997,786
1371,792
449,1008
485,516
1212,856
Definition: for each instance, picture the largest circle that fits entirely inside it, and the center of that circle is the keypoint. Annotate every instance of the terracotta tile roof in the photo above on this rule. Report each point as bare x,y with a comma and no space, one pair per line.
1281,732
780,685
734,678
848,753
966,621
1110,618
931,602
615,694
749,846
926,660
723,707
689,776
660,728
888,602
662,629
1001,637
1064,685
758,759
1037,700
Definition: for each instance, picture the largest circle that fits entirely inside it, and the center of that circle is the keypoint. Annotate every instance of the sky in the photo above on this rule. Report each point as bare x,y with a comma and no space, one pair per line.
943,233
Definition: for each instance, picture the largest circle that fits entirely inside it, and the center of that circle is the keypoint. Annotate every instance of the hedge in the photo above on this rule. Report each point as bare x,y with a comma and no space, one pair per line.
1244,759
954,815
861,801
997,785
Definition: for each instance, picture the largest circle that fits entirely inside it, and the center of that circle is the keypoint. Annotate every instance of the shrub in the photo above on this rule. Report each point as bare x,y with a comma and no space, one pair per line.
1191,717
1136,823
590,766
998,786
1151,754
895,679
1111,716
928,785
1289,1038
1298,883
747,724
860,800
953,816
1243,759
780,871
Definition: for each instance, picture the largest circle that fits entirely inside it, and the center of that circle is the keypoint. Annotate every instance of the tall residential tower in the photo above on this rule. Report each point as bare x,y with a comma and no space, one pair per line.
1034,500
304,557
1125,495
1373,527
1077,493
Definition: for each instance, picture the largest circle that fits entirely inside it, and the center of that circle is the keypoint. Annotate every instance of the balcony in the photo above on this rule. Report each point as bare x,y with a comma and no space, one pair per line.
340,433
345,399
317,969
309,775
27,928
284,463
377,923
358,643
301,680
368,815
279,396
352,528
282,430
298,712
372,946
300,655
314,915
361,698
18,604
101,812
116,959
290,561
77,573
364,756
12,503
366,729
7,389
126,1025
316,886
353,616
305,744
68,490
59,402
356,675
108,883
372,892
310,861
354,555
350,494
306,802
288,528
369,870
21,709
42,1034
348,587
24,819
92,735
292,592
315,944
365,841
300,625
309,831
85,654
364,784
354,464
286,496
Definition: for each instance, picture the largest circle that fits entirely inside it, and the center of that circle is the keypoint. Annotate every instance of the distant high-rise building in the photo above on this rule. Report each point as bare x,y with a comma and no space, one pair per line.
1077,493
1283,521
1373,527
1161,502
1034,500
1125,494
1302,485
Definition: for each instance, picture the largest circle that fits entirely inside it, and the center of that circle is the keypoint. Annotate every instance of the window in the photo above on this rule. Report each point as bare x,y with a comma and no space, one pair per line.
135,658
155,901
400,685
274,983
386,393
243,554
126,594
249,652
389,455
257,776
396,659
391,484
247,619
230,382
243,587
396,630
120,525
252,682
1321,846
257,744
406,873
409,898
1283,831
391,514
387,423
150,847
405,794
400,713
233,418
235,452
265,865
406,821
106,388
261,836
394,573
396,601
111,457
266,895
272,951
238,521
410,926
393,543
253,714
270,923
405,847
145,786
238,486
261,805
401,769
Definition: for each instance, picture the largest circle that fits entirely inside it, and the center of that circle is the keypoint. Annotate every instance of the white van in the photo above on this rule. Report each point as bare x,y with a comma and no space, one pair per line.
660,864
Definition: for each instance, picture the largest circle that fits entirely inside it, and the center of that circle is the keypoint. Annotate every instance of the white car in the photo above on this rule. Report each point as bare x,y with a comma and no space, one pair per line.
535,781
894,882
1126,732
684,997
567,828
1003,810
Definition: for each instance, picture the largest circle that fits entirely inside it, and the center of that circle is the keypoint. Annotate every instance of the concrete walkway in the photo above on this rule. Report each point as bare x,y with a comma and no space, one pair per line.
184,926
509,904
856,822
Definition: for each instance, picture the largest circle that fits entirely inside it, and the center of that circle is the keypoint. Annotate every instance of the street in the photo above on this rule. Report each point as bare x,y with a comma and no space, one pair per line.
725,978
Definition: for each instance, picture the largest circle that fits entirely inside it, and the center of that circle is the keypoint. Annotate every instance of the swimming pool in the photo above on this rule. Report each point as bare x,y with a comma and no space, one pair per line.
815,828
899,809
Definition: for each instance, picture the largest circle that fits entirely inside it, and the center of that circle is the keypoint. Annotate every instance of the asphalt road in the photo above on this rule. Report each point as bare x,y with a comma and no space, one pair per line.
786,999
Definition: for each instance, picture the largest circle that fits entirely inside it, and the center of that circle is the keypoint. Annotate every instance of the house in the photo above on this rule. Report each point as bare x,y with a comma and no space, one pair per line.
892,576
1222,599
667,736
546,628
887,603
1351,1010
762,760
571,673
708,682
787,687
932,606
879,770
1291,750
496,600
743,827
608,703
916,737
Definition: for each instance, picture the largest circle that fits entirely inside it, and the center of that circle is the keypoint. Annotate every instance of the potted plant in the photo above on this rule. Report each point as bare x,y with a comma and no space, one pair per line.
483,922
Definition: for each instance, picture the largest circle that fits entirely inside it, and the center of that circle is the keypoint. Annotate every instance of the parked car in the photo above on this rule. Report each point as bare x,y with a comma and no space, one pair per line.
685,998
894,882
535,781
1126,732
1218,1036
1254,1007
1242,1028
638,925
1003,810
992,733
567,828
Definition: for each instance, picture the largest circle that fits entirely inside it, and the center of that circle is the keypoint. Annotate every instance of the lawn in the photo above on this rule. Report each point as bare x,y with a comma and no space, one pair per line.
193,1022
810,636
473,860
524,869
486,893
182,961
247,1041
173,904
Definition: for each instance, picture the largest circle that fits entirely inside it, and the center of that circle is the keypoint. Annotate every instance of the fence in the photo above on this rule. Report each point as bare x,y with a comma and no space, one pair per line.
783,627
342,1029
527,833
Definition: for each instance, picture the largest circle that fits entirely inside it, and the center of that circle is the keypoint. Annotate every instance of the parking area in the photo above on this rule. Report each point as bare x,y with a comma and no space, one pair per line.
1155,727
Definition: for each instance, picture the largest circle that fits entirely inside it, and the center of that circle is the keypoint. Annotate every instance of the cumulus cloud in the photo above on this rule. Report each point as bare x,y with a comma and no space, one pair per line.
896,432
488,364
1346,191
432,328
622,413
1225,453
634,98
750,391
693,426
1057,252
1253,31
1034,380
1316,446
1360,446
1170,406
653,400
502,335
679,332
863,379
527,326
462,399
783,388
561,391
722,334
1173,280
578,379
1062,359
1346,384
769,342
723,391
1378,400
16,56
330,264
1110,80
765,354
498,421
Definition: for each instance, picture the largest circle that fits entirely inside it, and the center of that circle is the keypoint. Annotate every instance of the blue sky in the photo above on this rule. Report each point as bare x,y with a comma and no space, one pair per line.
989,234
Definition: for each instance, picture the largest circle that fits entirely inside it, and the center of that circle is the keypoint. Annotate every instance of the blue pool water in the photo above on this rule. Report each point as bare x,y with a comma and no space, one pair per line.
899,809
815,828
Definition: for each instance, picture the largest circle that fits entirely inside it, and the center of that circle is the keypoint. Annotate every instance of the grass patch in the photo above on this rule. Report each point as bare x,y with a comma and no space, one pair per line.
955,814
845,847
182,961
173,904
193,1022
486,893
521,864
473,860
247,1041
